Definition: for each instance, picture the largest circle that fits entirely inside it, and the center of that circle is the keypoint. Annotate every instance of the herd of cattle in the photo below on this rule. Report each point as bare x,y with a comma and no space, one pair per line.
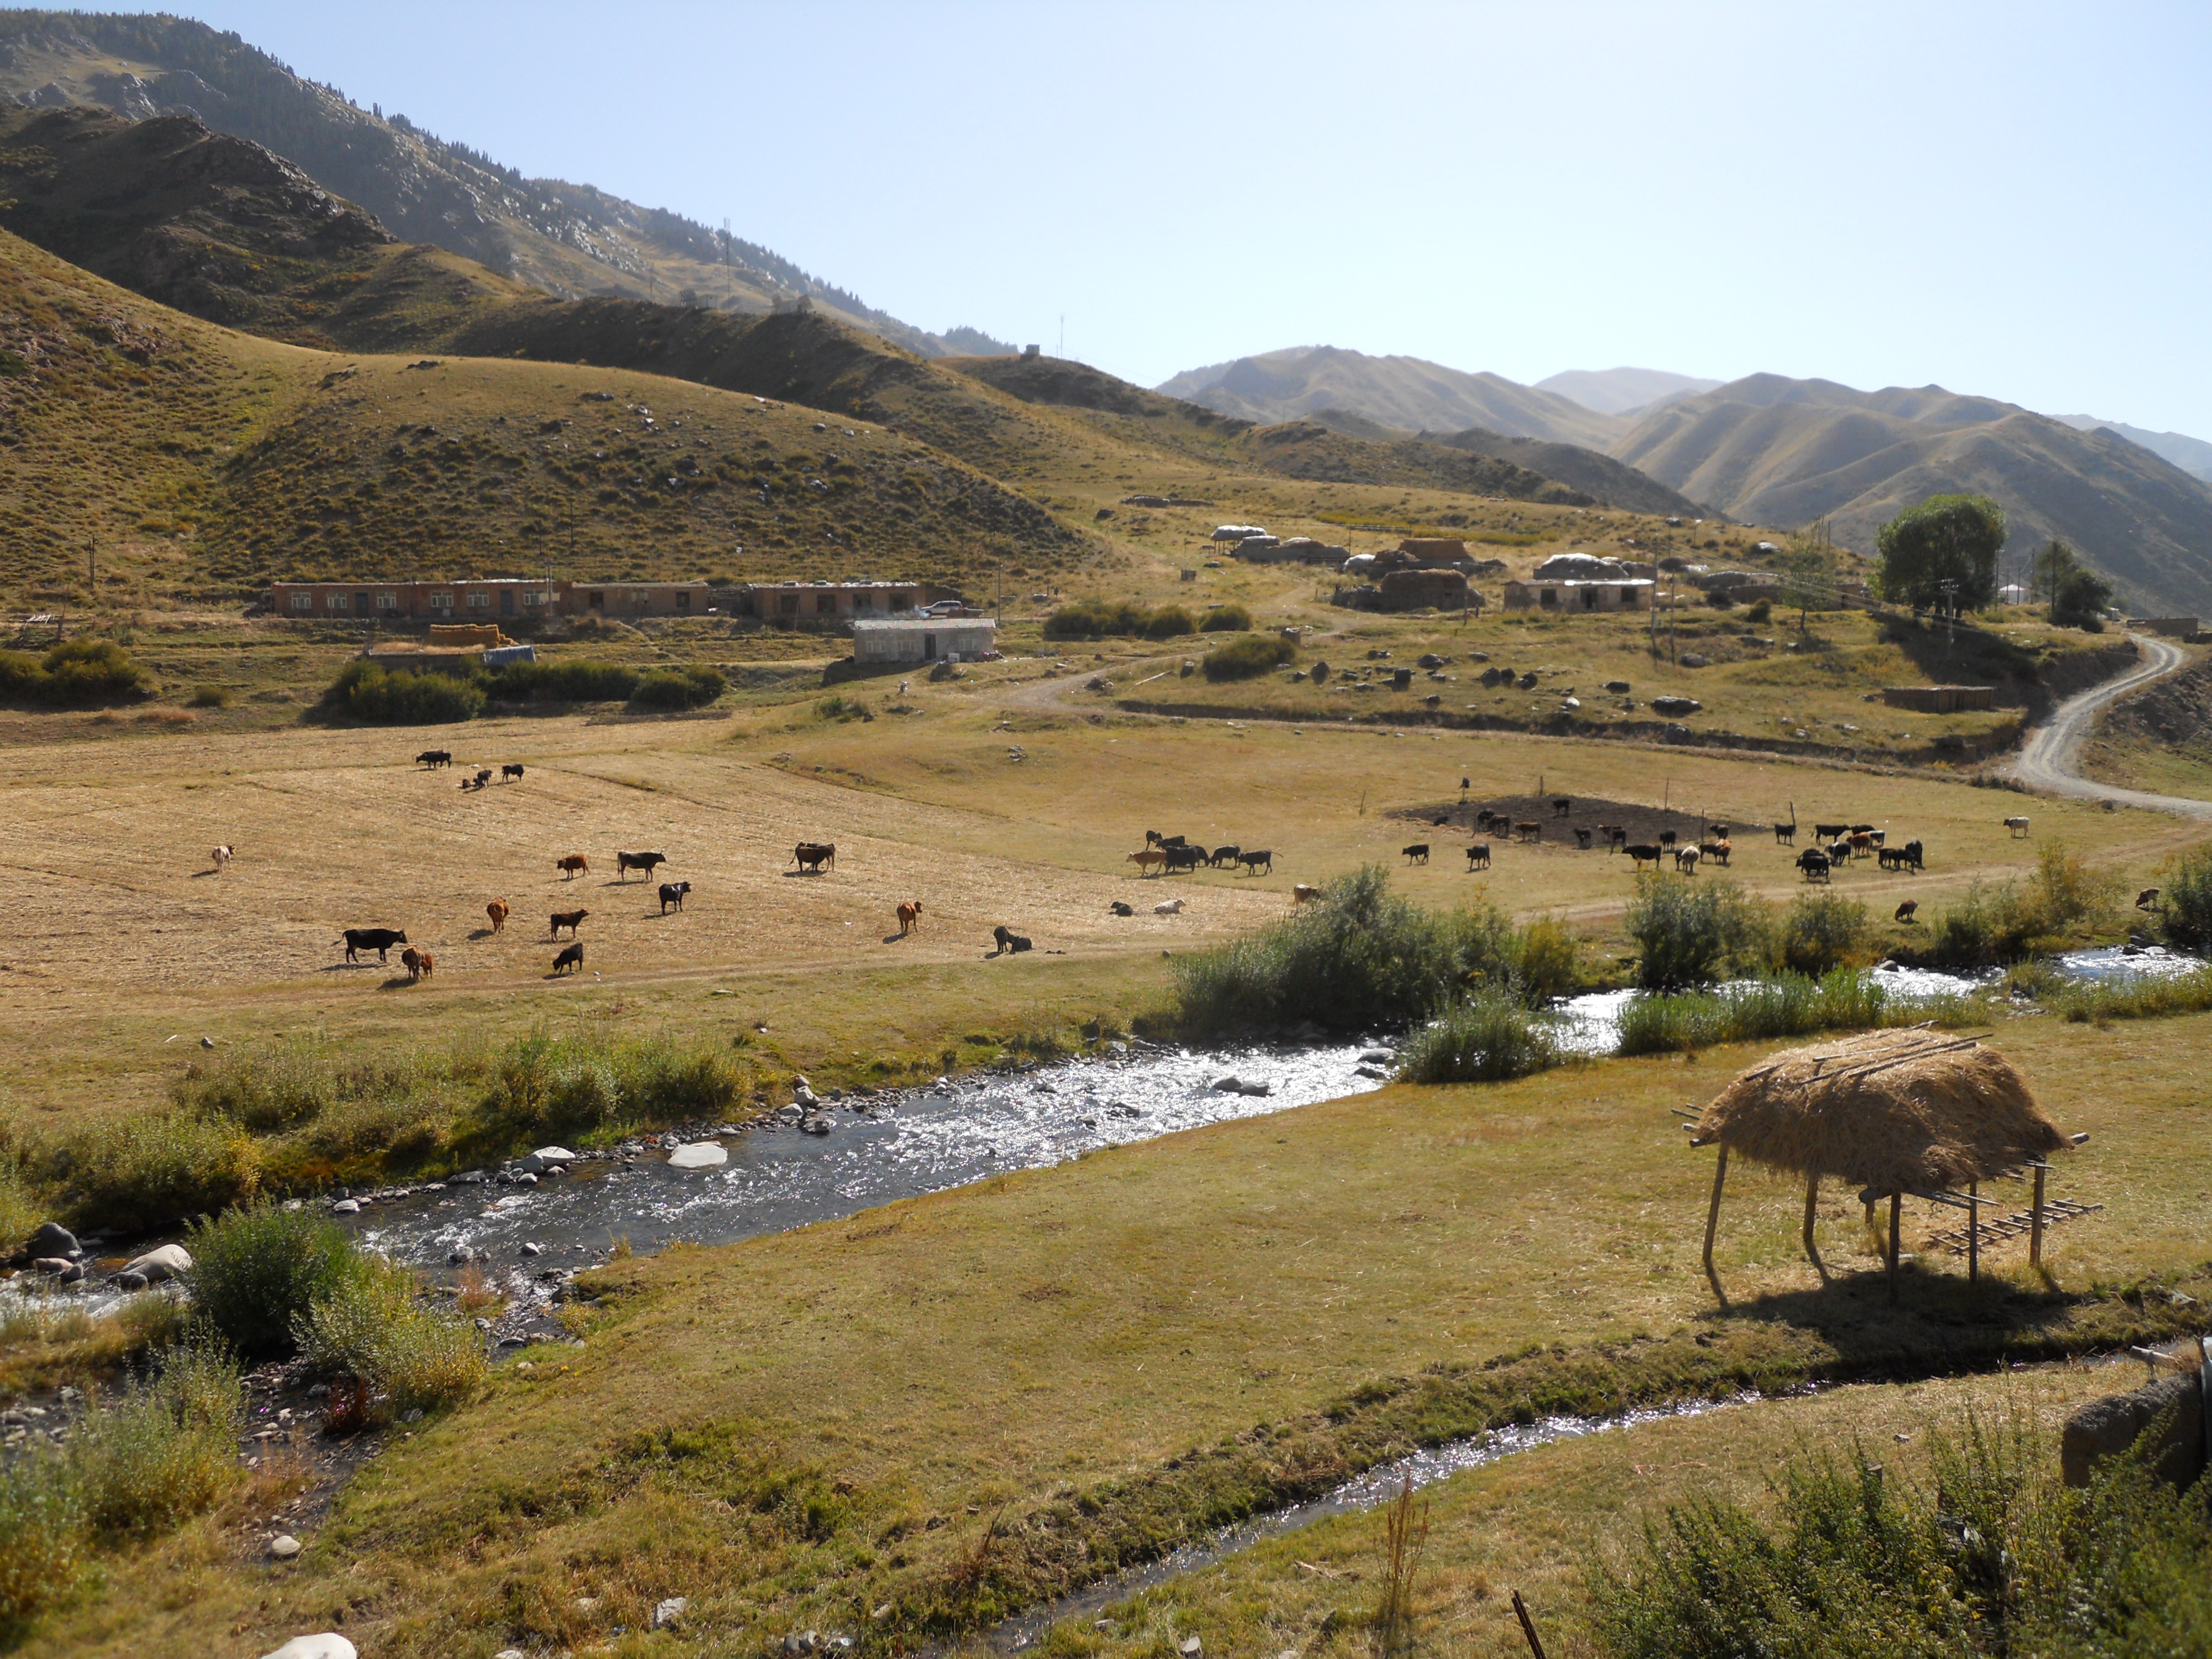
1169,854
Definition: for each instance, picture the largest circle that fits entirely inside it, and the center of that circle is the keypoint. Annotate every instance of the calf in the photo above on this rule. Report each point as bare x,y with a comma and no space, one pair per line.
1183,856
1838,852
2019,828
1478,856
645,863
811,855
222,855
1908,911
572,956
435,758
379,939
1717,831
673,892
1583,839
1861,842
1786,835
512,770
570,920
498,912
1007,941
1302,894
2148,899
1643,852
1616,837
573,866
1815,864
480,781
1252,861
1717,852
1562,806
1168,908
909,917
1121,909
1416,853
1148,860
1686,860
1889,858
1223,855
1528,829
419,964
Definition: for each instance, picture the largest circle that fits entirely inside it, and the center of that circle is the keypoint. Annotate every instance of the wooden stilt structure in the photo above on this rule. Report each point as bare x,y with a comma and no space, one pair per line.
1812,1203
1713,1222
1896,1214
2035,1227
1973,1233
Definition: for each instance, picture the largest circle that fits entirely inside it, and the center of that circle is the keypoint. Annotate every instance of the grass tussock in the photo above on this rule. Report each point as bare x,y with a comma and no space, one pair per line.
1992,1554
1097,619
1231,618
1490,1038
1783,1005
2144,997
1247,658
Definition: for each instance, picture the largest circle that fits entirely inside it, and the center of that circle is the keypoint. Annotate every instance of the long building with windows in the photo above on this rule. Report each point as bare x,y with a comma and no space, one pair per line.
484,598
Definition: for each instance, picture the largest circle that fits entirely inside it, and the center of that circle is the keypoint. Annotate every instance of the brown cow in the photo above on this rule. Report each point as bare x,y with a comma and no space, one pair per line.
909,917
1908,910
498,912
1528,829
811,855
419,964
569,918
575,864
1302,894
1715,851
1147,860
2148,899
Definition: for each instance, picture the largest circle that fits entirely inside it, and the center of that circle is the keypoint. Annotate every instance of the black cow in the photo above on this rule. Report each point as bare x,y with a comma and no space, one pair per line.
512,770
1830,831
1121,909
1814,863
435,758
1183,856
1913,855
1417,854
1643,852
379,939
1224,855
1583,839
572,956
646,862
673,892
1253,859
1478,856
1786,835
1008,942
1890,858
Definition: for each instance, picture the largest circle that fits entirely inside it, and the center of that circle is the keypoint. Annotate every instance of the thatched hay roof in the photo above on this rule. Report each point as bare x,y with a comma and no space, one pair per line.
1894,1111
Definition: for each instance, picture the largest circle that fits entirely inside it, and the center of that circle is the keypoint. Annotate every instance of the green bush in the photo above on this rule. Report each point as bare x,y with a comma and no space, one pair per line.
1489,1038
208,697
842,707
1225,619
409,1356
75,673
368,692
1170,622
2185,894
1095,619
547,1086
1246,658
560,683
1362,956
257,1269
1821,932
1760,612
2000,922
20,1210
1690,932
666,690
43,1548
164,1452
1548,962
1787,1004
153,1167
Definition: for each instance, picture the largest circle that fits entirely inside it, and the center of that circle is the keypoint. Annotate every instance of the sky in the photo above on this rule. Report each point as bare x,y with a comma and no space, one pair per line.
2008,200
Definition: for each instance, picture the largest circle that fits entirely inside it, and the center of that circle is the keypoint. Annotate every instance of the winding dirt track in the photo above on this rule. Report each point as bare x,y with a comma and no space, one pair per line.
2047,759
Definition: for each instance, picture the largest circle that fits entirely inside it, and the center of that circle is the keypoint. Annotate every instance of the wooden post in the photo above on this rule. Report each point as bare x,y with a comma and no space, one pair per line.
1812,1197
1896,1213
1527,1626
1713,1222
2035,1222
1973,1233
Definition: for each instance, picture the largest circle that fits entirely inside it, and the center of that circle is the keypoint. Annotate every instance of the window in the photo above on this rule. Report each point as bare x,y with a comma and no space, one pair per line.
597,601
303,602
387,602
684,601
336,601
533,598
788,605
479,601
441,602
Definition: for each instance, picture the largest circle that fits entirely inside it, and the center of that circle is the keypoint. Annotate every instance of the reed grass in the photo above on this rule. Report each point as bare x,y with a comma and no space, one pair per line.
1490,1038
1785,1004
1405,1541
2142,996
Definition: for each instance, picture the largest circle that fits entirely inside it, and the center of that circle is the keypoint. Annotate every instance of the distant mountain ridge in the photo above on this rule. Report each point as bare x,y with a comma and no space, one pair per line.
2192,455
1623,391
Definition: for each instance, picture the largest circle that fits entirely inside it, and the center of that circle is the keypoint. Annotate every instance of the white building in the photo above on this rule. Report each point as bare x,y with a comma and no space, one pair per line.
925,639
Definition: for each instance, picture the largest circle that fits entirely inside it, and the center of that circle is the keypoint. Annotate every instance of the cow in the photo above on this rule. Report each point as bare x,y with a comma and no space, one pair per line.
511,769
419,964
644,863
1889,858
1223,855
1528,829
1717,831
1717,852
1815,864
1485,818
571,957
811,855
909,917
1614,833
1154,838
1913,855
1667,838
1862,830
1183,856
673,892
498,912
1478,856
571,919
1416,853
1562,806
1583,839
1908,911
1008,941
1686,860
1643,852
1148,860
1786,835
1838,852
1861,842
435,758
1168,908
2019,828
482,780
573,866
1253,860
1117,908
379,939
1830,831
222,855
2148,899
1302,894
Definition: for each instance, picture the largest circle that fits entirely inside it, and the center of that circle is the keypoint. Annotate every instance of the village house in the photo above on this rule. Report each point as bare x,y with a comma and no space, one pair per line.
813,601
484,599
889,643
1572,594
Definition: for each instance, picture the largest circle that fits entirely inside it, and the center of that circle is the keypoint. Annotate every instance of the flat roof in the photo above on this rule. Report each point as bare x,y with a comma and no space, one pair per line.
923,622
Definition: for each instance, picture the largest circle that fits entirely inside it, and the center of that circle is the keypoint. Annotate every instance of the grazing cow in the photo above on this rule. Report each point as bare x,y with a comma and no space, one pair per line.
570,920
1616,837
1814,863
1717,831
1222,855
1562,806
1667,838
1302,894
482,780
1416,853
1168,908
1583,839
1914,856
511,769
1830,831
1008,942
1121,909
645,863
909,917
2148,899
222,855
2019,828
1889,858
419,964
673,892
1183,856
1786,835
1861,842
811,855
1643,852
379,939
1686,860
571,957
435,758
1152,838
1486,819
1908,912
1838,852
1862,829
1528,829
1478,856
498,912
1715,851
1252,861
1146,861
575,864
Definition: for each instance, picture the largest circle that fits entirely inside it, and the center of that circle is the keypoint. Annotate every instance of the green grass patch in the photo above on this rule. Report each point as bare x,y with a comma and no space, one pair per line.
1097,619
2144,997
667,691
257,1269
1490,1038
1226,618
376,696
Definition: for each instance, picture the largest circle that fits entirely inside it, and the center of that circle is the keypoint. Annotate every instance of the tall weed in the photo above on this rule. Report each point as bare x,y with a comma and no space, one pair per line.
1786,1005
165,1451
2185,899
43,1548
153,1168
407,1355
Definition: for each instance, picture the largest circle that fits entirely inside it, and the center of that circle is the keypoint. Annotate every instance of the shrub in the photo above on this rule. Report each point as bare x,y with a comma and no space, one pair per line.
561,681
2003,922
407,1355
367,692
1761,611
153,1167
1787,1004
1689,932
543,1084
1549,961
1095,619
2186,895
842,707
257,1270
1821,932
665,690
21,1211
208,697
1228,617
1720,599
2139,997
1490,1038
42,1541
1246,658
1168,623
75,673
164,1452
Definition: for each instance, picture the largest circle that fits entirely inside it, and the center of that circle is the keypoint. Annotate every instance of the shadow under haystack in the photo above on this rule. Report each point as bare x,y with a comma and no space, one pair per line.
1916,1112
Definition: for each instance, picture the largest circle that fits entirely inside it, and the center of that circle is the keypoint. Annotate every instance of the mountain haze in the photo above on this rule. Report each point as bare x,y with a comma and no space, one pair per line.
2192,455
1623,390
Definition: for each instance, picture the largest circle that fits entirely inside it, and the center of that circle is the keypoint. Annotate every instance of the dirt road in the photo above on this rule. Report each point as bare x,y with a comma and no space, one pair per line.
2047,758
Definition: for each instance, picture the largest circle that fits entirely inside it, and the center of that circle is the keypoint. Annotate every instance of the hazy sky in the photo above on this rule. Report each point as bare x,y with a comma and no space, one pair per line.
2006,199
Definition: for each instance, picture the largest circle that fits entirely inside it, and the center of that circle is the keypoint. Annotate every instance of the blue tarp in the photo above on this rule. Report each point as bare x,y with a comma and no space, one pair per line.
498,656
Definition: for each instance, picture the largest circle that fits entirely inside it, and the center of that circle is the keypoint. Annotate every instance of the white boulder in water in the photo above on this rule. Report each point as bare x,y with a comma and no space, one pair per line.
699,1154
163,1261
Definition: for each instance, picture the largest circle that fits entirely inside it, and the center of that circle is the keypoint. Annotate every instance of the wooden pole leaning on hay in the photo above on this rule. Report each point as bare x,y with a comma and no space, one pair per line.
1812,1208
2035,1226
1973,1233
1713,1223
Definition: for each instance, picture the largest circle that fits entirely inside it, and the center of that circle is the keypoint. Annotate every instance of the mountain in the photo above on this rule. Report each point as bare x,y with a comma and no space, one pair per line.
2192,455
565,238
1771,450
1623,391
1406,392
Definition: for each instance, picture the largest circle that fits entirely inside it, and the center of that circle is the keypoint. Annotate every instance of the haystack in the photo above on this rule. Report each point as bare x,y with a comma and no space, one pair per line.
1895,1112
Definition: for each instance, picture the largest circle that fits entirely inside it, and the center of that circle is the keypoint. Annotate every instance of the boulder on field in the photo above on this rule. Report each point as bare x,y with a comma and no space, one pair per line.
54,1239
670,1612
163,1261
2172,1409
1620,687
1676,706
325,1644
284,1546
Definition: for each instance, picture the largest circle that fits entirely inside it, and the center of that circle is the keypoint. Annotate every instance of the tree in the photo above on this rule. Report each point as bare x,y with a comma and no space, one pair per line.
2079,599
2052,567
1810,581
1952,538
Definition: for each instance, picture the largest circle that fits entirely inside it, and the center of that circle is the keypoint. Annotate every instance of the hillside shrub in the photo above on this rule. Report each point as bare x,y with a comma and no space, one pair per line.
1999,922
1097,619
1228,618
1821,932
666,690
258,1268
1489,1038
77,673
842,707
560,683
1168,621
1548,962
406,1354
2185,894
1690,932
1246,658
375,695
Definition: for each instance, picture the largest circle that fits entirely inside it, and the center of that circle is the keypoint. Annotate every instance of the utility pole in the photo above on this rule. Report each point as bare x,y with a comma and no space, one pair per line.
1673,603
1950,615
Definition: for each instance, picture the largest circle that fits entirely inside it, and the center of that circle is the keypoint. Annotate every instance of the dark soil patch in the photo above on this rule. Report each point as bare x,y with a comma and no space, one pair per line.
1644,822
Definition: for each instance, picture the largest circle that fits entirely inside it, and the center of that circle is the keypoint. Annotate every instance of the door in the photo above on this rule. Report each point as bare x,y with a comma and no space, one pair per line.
361,604
929,647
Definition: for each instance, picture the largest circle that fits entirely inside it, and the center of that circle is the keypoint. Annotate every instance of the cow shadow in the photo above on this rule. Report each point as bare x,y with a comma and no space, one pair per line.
397,981
198,875
349,967
789,875
897,938
482,932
